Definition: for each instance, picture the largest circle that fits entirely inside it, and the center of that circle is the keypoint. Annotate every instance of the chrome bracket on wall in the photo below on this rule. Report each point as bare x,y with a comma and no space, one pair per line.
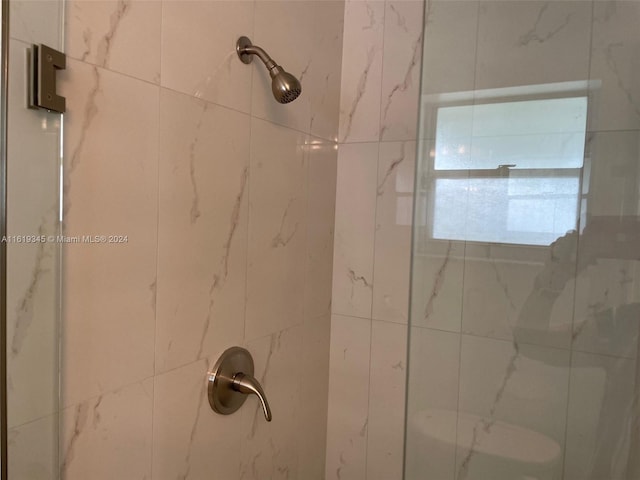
43,62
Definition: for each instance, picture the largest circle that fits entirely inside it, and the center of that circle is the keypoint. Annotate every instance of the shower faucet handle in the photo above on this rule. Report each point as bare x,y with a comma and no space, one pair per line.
247,384
231,380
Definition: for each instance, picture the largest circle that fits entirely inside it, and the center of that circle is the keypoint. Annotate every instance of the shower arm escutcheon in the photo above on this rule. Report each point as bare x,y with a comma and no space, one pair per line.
231,380
246,50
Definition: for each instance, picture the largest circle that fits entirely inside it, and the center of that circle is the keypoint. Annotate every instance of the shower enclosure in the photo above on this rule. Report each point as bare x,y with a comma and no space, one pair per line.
221,201
526,251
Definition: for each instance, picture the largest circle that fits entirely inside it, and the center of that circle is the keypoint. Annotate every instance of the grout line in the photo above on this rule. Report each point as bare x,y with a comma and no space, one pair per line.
367,421
370,319
497,339
155,329
53,415
461,336
349,315
110,391
248,193
307,270
204,100
376,200
247,239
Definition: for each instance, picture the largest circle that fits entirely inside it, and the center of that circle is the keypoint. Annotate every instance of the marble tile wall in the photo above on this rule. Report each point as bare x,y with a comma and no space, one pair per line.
226,200
374,202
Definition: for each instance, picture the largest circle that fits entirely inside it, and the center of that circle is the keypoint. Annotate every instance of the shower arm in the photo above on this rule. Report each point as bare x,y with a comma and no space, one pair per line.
246,50
260,53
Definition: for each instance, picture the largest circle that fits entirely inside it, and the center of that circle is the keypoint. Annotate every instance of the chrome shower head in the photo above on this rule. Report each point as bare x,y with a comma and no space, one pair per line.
285,87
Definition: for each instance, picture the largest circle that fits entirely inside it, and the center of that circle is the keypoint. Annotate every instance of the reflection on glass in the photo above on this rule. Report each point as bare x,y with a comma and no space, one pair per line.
524,358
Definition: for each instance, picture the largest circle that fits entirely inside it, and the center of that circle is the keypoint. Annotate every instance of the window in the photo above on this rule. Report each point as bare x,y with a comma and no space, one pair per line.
508,172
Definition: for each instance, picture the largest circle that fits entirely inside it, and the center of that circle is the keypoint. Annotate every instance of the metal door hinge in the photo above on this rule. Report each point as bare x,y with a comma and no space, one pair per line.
43,62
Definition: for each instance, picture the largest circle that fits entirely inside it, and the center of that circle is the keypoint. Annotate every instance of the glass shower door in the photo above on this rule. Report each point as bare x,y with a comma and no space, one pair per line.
33,222
526,258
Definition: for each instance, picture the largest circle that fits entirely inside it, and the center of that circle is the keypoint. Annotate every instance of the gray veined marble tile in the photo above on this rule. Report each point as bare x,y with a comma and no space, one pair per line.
122,36
361,71
455,25
198,50
110,189
202,229
615,66
353,256
33,327
387,387
322,173
511,394
402,56
306,39
601,437
532,42
277,229
432,403
272,450
37,21
348,415
108,436
520,292
437,285
33,449
314,398
394,215
189,438
607,294
32,292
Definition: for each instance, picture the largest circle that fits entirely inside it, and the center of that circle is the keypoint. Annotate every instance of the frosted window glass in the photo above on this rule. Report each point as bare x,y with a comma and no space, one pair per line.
546,133
536,201
530,211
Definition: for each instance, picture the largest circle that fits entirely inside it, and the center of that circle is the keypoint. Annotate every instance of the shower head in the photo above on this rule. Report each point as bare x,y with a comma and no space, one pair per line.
285,87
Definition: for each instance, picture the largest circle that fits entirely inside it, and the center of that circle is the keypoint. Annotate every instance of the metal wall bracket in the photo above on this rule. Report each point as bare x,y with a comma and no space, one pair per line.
43,62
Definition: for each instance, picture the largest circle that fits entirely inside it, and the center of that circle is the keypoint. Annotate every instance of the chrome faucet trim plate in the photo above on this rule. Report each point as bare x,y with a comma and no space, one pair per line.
231,380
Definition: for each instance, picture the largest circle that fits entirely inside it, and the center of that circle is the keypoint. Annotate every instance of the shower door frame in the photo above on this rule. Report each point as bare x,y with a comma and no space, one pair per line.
4,66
